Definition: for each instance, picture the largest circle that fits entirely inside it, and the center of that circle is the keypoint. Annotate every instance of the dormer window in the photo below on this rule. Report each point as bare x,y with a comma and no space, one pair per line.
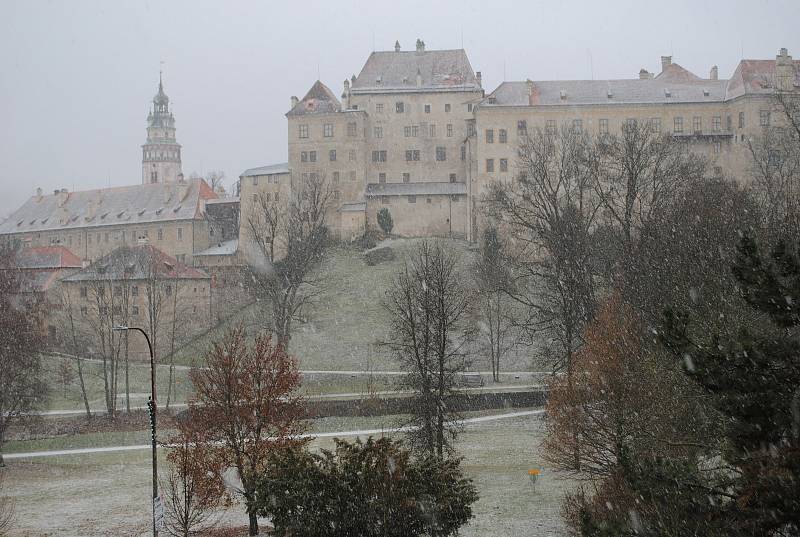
140,213
563,95
667,93
706,93
177,208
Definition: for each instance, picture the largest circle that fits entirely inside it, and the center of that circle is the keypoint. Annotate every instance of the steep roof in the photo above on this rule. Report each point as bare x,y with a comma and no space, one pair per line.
756,77
578,92
47,257
133,263
319,100
677,73
283,167
440,70
136,204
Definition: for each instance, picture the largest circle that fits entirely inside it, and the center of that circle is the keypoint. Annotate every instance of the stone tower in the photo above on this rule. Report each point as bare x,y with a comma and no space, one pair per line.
161,154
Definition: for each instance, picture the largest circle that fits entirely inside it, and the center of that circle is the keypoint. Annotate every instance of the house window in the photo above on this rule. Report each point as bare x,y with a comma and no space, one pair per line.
327,130
303,156
332,155
503,164
84,292
406,177
764,118
522,127
469,107
630,123
381,177
266,196
441,153
432,130
379,156
168,290
255,181
335,177
427,200
489,136
399,107
449,130
489,165
602,126
452,178
697,124
377,132
447,107
351,129
135,290
741,120
716,123
407,131
412,199
503,135
412,155
717,148
312,156
728,123
414,131
677,125
336,194
135,311
351,155
180,233
577,125
276,196
463,152
303,129
470,128
655,124
427,109
160,234
379,108
550,126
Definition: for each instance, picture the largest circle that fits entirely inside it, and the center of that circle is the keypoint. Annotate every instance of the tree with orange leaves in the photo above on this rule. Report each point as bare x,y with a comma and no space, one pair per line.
247,403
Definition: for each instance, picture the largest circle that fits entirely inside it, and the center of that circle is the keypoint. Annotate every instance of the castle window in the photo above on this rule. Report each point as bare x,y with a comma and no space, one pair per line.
441,153
379,156
135,290
728,123
522,127
399,107
412,199
255,181
463,152
303,156
764,118
503,136
412,155
489,136
452,178
427,109
447,107
414,131
503,164
303,131
469,107
351,129
332,155
432,130
160,234
655,124
327,131
677,125
312,156
716,123
180,233
335,177
84,292
377,132
381,177
449,130
741,120
697,124
406,177
336,194
407,131
379,108
489,165
577,126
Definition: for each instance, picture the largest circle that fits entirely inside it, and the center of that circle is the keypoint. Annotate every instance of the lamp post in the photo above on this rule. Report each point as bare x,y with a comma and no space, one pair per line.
151,405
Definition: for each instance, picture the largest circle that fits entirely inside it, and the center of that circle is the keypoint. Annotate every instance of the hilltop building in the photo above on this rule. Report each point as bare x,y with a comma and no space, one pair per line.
161,154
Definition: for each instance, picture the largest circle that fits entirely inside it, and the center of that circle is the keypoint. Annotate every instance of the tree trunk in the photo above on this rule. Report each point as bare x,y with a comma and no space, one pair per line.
253,524
83,389
127,378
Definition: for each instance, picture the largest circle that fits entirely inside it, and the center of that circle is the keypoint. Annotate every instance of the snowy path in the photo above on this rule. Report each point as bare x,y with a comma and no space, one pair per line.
337,434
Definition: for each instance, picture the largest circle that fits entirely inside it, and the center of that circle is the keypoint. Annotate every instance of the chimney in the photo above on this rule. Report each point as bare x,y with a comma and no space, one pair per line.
62,196
478,77
180,178
346,94
38,192
714,74
420,45
397,46
533,92
644,74
666,61
784,71
294,100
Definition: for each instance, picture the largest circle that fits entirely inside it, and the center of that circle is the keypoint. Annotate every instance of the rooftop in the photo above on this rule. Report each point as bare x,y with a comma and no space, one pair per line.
47,257
62,210
283,167
319,100
139,262
223,248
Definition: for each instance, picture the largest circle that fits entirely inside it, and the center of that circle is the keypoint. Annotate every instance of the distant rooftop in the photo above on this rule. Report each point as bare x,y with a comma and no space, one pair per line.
319,100
223,248
47,257
283,167
134,263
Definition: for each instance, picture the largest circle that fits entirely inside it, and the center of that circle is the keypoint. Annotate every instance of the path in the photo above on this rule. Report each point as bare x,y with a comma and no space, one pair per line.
337,434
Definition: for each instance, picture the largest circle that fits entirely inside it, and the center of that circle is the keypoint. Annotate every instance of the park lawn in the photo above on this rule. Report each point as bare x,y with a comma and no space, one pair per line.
108,493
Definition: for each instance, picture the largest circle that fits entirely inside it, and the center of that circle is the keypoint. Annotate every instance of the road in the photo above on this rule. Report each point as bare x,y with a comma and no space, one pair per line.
337,434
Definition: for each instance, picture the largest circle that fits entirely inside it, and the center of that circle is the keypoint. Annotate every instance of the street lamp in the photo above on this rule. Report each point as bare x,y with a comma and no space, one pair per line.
151,406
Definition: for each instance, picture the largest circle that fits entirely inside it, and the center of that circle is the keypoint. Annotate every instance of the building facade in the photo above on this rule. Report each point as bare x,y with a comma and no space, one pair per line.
414,132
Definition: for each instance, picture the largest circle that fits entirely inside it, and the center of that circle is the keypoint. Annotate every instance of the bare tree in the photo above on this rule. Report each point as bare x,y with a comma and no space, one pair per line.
178,314
75,342
22,385
429,303
6,509
641,171
285,280
497,310
215,180
548,210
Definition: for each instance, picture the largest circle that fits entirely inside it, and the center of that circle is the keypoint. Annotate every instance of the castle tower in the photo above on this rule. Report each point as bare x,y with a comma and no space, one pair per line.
161,154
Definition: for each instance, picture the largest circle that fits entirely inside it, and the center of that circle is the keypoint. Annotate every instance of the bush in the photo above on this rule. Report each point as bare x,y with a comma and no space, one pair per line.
385,220
378,255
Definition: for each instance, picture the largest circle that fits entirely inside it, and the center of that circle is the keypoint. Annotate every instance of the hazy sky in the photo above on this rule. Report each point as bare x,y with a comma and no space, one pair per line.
77,77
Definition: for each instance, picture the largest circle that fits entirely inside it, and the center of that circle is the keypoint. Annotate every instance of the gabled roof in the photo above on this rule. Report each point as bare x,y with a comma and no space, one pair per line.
272,169
319,100
756,77
134,263
578,92
150,203
677,73
47,257
440,70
